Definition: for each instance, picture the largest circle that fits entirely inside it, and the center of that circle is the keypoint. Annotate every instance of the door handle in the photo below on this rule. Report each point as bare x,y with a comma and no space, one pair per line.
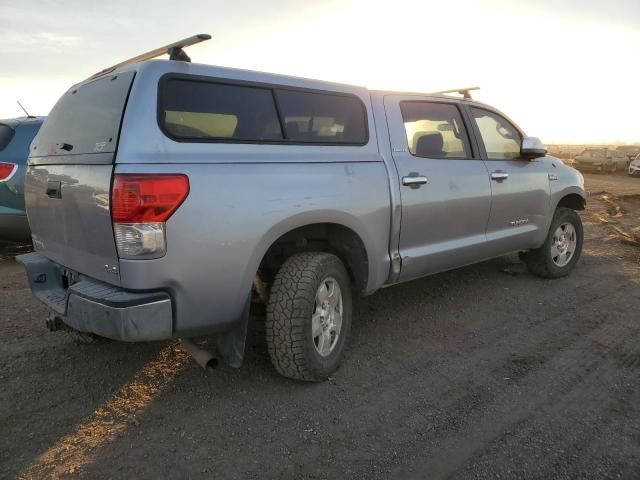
414,181
499,176
54,189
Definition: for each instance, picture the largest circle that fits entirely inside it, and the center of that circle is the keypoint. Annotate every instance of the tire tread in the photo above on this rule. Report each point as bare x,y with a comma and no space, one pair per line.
292,296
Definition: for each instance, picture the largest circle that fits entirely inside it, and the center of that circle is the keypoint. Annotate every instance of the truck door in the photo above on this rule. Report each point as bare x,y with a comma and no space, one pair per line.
520,188
445,187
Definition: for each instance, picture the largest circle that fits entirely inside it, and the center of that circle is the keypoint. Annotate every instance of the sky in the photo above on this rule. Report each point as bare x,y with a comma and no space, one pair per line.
566,71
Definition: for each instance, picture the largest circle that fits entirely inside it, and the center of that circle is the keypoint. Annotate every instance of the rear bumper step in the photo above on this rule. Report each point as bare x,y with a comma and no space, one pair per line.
92,306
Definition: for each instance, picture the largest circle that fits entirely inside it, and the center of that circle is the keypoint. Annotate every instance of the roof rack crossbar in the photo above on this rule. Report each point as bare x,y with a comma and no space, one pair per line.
462,91
174,50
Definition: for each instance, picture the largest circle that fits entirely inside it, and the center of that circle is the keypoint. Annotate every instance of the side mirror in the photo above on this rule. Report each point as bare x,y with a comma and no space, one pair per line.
532,148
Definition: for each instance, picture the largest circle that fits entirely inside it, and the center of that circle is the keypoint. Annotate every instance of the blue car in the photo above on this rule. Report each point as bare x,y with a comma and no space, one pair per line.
15,138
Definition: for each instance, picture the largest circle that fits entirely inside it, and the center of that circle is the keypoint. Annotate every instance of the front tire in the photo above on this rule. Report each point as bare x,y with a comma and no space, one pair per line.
309,316
562,248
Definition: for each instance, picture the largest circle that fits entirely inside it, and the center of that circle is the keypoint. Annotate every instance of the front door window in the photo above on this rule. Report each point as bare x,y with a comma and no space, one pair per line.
501,139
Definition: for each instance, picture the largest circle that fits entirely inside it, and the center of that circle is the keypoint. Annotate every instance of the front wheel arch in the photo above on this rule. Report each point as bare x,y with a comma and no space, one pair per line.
573,201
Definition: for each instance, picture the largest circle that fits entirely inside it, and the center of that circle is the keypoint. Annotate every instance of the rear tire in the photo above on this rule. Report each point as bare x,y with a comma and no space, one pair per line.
309,316
552,259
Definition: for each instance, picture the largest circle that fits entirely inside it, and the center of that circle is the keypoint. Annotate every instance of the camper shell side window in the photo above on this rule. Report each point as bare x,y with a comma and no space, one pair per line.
202,109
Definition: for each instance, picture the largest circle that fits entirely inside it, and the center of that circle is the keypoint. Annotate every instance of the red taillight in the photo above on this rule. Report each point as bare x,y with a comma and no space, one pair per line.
7,170
152,198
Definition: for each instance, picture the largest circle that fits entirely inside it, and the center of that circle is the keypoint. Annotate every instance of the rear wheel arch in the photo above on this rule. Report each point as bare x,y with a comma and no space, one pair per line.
335,238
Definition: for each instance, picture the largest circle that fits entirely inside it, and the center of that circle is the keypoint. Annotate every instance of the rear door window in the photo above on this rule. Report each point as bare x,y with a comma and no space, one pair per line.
195,110
435,130
6,134
311,117
86,119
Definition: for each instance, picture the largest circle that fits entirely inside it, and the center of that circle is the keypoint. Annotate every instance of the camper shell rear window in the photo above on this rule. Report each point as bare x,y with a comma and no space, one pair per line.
201,109
86,119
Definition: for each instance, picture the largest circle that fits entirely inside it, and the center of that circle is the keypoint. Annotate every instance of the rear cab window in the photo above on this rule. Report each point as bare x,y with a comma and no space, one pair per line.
16,150
202,110
86,119
6,135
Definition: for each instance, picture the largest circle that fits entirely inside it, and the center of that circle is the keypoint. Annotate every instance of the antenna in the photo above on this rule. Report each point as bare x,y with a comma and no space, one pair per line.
25,110
174,50
462,91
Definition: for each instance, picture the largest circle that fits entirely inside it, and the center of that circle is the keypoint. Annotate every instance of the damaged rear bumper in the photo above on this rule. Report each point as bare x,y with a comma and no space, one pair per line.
92,306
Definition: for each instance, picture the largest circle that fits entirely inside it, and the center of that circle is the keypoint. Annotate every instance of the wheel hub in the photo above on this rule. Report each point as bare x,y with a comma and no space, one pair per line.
326,320
563,244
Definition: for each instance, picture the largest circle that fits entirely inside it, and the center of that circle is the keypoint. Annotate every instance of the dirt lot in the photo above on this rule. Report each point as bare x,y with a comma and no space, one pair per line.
484,372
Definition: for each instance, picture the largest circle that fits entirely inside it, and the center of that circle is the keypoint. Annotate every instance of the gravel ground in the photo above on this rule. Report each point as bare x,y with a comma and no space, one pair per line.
483,372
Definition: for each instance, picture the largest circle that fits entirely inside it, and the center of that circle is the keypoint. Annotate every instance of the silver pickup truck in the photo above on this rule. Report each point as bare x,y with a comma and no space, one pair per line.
171,199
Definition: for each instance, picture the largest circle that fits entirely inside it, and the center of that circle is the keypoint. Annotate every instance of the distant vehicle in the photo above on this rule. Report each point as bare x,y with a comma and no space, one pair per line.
15,137
601,160
634,167
630,151
204,193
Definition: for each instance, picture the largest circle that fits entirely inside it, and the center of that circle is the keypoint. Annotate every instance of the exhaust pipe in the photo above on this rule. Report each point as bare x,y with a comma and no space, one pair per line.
203,358
54,322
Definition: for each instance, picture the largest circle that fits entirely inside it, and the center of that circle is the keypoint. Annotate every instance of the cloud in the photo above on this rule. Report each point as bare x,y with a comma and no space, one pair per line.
46,42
